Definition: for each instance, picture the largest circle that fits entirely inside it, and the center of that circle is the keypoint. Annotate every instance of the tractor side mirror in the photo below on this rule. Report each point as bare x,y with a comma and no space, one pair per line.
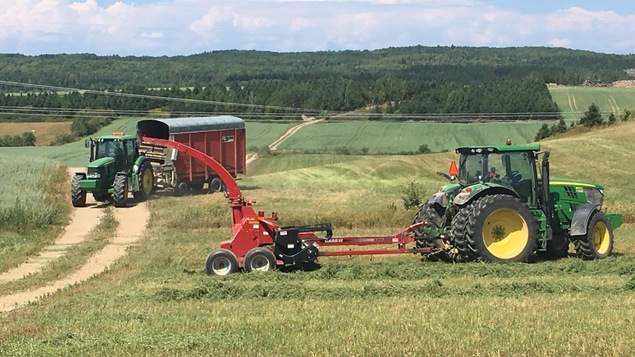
87,144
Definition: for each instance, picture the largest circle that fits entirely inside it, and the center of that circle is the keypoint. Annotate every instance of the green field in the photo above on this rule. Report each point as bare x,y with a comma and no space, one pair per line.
158,301
397,137
574,101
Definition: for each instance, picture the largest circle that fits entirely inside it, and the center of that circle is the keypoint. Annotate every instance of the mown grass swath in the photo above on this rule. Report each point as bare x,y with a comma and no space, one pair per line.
33,205
159,301
574,101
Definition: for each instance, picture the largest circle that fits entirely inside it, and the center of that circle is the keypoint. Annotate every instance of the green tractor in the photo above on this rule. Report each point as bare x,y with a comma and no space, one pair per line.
115,168
502,206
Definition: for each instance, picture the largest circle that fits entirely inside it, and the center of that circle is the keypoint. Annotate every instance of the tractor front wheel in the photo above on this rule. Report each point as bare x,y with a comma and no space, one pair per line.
433,214
146,182
598,241
78,196
501,229
120,191
259,259
221,262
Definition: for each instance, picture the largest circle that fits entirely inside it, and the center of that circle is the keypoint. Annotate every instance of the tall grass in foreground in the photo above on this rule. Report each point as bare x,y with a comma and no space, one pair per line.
33,205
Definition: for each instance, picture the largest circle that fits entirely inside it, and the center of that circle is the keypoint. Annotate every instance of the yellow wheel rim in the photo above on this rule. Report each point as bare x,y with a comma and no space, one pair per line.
601,238
147,180
505,233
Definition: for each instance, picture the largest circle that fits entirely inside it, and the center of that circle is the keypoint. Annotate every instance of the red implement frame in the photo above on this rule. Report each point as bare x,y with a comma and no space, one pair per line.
251,230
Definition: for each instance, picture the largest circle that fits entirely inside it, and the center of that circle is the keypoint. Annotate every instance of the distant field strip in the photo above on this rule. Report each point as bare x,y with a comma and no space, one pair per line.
574,101
396,137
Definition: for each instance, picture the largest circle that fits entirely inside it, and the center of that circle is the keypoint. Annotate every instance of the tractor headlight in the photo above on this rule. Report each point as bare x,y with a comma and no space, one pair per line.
594,195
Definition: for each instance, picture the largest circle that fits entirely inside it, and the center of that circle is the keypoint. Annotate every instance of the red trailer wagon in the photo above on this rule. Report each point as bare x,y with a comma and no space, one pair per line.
220,137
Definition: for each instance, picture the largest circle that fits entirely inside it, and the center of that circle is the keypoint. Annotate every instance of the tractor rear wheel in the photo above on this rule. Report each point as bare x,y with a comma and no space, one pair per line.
78,196
146,182
598,241
432,214
221,262
259,259
502,229
462,252
120,191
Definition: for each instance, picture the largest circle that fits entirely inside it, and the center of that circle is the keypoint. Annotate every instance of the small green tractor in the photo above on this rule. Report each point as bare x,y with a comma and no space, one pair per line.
502,206
115,168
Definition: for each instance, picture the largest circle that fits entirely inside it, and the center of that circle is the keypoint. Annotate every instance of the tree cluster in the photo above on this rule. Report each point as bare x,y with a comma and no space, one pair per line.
24,139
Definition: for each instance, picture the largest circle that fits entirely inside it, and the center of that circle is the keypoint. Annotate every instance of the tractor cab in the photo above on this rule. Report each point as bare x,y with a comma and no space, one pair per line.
124,149
511,167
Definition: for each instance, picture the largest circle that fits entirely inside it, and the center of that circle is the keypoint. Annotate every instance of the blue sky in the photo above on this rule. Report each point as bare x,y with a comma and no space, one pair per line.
183,27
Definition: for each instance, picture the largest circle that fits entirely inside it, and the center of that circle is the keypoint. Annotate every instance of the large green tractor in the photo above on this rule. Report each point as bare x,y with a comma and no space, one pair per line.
502,206
115,168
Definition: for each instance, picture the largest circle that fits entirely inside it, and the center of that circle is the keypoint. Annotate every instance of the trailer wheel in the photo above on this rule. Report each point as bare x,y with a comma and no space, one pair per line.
78,196
216,185
182,189
501,229
120,191
259,259
598,241
146,182
221,262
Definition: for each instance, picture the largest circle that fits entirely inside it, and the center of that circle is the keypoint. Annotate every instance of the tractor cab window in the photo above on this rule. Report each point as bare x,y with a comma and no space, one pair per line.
470,169
109,148
514,169
130,152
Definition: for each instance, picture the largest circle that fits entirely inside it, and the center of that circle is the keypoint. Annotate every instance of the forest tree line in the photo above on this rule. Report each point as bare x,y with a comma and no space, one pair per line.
388,83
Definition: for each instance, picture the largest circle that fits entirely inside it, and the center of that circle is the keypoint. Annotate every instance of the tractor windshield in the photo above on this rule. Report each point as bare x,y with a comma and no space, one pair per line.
109,148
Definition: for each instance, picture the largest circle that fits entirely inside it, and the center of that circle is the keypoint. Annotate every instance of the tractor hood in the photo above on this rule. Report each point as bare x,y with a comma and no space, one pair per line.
575,183
104,161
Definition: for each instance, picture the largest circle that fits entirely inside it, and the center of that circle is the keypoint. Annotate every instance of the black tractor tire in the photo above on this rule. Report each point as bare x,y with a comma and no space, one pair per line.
216,185
146,182
462,251
501,229
597,243
221,262
78,196
557,247
120,191
433,214
259,259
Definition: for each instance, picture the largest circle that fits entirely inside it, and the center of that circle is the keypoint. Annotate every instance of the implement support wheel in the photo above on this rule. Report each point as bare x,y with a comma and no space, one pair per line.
221,262
259,259
598,241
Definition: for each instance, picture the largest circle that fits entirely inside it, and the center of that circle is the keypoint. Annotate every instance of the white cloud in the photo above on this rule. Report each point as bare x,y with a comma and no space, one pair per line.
170,27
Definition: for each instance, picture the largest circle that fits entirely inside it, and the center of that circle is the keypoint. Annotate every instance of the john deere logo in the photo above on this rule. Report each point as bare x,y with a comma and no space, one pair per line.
227,139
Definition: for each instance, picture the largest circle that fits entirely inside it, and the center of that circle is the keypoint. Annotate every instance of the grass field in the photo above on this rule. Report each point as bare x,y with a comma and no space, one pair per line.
574,101
396,137
44,132
33,206
158,301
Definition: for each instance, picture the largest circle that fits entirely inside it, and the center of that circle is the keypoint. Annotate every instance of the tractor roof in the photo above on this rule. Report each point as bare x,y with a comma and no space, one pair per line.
496,148
115,136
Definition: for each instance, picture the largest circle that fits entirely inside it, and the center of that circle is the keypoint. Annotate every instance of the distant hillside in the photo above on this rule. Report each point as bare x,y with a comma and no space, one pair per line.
461,83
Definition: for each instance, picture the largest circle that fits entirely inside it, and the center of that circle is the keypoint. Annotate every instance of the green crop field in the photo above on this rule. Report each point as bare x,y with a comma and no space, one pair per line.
158,301
397,137
574,101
